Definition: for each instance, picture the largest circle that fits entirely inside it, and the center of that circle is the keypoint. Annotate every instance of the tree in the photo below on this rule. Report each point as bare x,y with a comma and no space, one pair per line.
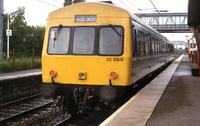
24,38
18,25
34,39
69,2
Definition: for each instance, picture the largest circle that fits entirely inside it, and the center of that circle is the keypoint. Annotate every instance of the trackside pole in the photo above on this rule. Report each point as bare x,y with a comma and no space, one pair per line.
188,49
189,55
1,29
192,56
199,51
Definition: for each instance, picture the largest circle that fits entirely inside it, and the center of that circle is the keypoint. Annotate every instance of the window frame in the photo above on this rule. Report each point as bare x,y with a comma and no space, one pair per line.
96,41
122,40
141,41
73,36
49,37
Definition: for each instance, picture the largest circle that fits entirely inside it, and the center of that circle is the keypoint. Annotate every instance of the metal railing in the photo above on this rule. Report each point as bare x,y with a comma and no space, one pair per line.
166,22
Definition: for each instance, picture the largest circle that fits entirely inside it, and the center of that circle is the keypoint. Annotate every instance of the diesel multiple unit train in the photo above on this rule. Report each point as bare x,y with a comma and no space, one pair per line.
98,51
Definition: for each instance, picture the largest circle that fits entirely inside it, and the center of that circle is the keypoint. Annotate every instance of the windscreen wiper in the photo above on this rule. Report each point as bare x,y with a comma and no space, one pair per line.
57,34
115,30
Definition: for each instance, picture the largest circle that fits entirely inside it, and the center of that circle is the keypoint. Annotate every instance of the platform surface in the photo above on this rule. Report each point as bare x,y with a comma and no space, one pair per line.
180,103
20,74
152,107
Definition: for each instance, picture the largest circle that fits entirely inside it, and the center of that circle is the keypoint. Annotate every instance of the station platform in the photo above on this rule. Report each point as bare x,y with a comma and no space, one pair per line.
171,99
20,74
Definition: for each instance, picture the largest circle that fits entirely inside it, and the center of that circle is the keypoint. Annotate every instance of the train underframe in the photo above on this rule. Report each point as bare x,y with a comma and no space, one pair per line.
77,98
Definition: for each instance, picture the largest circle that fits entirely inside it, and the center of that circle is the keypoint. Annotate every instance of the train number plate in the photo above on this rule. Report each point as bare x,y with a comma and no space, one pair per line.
85,18
114,59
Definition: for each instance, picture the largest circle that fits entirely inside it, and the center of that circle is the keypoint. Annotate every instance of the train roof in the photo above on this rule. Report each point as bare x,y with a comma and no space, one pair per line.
133,17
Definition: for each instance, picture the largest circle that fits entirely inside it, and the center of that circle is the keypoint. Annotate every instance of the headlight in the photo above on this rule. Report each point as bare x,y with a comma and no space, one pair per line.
82,75
113,74
53,73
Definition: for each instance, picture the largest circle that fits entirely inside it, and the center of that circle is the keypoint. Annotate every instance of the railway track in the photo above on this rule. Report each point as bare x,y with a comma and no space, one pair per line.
34,110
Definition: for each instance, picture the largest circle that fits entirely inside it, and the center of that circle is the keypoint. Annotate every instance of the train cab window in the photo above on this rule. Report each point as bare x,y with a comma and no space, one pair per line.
110,40
58,40
83,40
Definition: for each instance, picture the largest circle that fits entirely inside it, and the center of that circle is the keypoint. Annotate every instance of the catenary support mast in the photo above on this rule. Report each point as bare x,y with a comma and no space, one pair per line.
1,29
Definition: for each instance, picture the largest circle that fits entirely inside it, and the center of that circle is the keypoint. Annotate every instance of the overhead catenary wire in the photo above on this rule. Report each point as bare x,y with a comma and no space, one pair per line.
134,5
126,5
48,3
155,7
58,1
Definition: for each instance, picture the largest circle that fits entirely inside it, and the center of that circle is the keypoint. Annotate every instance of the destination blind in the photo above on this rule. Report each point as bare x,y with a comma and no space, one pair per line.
85,18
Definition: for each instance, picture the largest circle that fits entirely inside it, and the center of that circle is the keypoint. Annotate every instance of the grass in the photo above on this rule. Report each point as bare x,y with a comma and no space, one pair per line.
20,64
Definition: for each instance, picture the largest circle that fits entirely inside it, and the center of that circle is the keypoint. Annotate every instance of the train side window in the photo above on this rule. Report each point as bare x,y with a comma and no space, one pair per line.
159,46
84,40
141,44
153,45
111,40
168,50
58,40
162,47
150,44
147,44
161,41
134,43
156,46
166,47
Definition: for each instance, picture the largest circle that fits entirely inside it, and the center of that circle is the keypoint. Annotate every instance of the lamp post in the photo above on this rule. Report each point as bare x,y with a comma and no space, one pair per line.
9,32
186,37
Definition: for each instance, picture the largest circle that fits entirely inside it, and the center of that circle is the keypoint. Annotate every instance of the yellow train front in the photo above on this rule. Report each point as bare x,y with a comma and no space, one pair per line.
87,52
95,51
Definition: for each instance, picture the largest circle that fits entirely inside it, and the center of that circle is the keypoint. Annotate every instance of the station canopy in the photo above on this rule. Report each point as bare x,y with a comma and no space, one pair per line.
193,12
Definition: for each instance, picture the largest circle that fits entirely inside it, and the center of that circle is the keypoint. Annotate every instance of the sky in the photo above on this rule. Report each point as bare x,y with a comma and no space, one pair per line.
36,11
